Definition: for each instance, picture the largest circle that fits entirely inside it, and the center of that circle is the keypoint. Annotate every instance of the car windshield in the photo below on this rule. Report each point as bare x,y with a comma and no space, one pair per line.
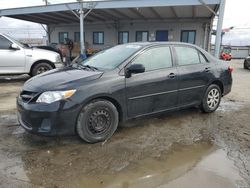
112,57
18,43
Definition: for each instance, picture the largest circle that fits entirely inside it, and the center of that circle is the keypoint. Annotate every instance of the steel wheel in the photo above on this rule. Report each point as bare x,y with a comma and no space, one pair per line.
99,121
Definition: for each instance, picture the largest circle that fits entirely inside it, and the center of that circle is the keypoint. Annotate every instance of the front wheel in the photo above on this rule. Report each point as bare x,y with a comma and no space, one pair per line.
97,121
211,99
41,68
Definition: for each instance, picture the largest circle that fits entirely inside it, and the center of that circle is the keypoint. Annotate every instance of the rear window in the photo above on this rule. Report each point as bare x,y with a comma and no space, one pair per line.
187,55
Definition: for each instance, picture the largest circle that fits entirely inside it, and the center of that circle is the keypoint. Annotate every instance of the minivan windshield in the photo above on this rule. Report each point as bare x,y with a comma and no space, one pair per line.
111,58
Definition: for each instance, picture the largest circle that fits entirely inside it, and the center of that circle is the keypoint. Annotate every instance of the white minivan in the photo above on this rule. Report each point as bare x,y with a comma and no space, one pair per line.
17,58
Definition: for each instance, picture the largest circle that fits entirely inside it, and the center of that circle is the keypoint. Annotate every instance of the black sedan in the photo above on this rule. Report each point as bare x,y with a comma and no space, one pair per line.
247,63
127,81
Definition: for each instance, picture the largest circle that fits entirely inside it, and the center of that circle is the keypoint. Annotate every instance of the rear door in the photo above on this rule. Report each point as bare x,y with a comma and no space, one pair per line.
156,89
11,60
194,74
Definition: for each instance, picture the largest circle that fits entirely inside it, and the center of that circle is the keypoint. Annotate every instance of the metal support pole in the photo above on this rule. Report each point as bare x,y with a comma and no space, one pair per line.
219,28
82,31
205,37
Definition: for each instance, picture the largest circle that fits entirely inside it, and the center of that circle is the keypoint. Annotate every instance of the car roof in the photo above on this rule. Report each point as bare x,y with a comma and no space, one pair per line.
160,43
154,43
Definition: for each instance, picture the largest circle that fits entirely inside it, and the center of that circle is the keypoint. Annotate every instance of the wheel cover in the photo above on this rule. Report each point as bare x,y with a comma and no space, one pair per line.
213,98
42,69
99,121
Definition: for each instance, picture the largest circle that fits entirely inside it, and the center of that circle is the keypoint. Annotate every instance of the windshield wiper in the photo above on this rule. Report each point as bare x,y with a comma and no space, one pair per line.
88,67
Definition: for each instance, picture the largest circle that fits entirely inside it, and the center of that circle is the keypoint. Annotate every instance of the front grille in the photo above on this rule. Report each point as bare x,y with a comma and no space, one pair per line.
27,96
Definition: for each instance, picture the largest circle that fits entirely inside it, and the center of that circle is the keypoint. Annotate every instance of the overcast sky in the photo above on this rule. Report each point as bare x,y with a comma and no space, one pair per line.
236,14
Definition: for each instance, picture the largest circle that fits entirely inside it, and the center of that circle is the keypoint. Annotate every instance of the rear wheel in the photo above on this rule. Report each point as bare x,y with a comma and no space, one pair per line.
97,121
212,98
41,68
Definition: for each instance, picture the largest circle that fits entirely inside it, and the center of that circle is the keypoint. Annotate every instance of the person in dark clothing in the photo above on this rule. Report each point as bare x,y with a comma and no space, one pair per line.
70,45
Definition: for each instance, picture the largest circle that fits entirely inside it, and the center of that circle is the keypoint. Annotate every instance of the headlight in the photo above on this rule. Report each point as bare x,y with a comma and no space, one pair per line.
52,96
58,59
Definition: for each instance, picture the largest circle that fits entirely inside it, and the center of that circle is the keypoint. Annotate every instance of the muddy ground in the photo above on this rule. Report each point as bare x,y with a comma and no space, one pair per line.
179,149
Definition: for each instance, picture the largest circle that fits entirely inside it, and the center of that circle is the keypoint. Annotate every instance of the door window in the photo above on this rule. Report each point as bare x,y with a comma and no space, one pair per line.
187,55
4,43
155,58
202,58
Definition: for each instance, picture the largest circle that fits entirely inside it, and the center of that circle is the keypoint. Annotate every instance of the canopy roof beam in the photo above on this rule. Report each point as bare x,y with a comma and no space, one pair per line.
106,4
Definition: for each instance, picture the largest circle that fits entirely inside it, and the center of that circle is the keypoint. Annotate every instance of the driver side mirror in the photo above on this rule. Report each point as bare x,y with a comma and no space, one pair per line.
13,46
134,69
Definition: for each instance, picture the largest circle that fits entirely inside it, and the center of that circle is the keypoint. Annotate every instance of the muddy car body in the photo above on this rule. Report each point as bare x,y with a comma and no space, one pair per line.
121,83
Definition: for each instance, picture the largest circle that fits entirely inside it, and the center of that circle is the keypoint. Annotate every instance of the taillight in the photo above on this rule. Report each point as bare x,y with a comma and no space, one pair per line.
230,69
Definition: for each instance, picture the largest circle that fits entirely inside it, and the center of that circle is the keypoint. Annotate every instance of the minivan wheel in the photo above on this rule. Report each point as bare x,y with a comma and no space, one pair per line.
41,68
97,121
211,99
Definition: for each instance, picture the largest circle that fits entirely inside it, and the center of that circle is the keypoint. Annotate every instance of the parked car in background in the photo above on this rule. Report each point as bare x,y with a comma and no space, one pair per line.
226,53
120,83
17,58
247,63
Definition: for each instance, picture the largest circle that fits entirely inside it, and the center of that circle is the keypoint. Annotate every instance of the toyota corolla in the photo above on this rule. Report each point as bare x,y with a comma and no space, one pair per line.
127,81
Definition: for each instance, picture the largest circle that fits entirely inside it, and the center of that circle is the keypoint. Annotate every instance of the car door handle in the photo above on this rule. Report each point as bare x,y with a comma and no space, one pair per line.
171,75
207,69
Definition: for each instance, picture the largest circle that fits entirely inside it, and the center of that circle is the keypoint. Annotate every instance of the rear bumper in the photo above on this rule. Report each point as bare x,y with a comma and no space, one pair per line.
227,85
48,119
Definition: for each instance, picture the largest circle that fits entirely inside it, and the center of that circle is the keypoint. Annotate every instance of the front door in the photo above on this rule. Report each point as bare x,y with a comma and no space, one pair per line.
194,75
156,89
162,35
11,60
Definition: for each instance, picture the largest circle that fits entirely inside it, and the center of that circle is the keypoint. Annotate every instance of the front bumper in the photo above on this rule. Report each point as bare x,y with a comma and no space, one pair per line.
59,64
58,118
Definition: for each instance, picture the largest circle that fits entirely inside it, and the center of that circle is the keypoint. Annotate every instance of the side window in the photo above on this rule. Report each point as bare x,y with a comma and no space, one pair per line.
155,58
202,58
4,43
187,55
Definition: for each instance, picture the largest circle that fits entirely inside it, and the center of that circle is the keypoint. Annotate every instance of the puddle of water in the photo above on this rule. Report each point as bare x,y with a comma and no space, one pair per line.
199,165
227,105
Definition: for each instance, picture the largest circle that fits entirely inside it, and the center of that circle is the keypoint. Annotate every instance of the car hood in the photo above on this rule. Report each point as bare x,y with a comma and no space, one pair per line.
60,79
41,52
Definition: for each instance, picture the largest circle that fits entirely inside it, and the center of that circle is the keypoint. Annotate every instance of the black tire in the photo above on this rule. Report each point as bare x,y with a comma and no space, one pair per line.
40,68
245,65
97,121
211,99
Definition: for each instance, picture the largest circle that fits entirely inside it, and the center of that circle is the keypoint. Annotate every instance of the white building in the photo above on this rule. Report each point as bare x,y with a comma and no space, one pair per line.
110,22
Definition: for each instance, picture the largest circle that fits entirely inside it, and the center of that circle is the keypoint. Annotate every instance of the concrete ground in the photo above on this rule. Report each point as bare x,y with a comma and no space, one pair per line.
179,149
